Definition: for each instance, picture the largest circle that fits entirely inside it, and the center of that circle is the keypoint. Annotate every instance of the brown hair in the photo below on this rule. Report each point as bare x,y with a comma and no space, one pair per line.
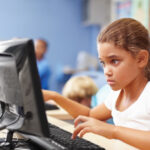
129,34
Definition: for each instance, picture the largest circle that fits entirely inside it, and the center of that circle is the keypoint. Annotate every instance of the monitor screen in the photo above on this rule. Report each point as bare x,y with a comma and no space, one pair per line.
20,89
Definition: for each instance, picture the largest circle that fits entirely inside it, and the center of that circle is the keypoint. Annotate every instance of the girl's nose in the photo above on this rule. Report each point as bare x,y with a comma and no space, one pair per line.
107,71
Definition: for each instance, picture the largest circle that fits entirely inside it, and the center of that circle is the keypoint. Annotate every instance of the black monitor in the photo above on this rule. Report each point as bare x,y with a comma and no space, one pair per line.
22,106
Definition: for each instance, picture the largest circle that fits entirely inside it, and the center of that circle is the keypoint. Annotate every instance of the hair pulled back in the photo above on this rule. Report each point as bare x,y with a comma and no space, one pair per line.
129,34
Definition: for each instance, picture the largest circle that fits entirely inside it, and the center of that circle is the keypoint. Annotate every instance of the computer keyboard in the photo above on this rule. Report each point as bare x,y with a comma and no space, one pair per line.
64,138
60,139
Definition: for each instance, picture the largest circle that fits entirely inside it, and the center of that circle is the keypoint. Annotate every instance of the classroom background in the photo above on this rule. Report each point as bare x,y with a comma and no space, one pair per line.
69,26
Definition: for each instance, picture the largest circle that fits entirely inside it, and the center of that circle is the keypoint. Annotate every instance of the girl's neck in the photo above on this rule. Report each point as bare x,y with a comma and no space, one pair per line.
130,94
134,89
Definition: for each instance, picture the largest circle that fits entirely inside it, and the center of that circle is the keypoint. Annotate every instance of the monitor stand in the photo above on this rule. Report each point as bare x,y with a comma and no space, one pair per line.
8,142
12,122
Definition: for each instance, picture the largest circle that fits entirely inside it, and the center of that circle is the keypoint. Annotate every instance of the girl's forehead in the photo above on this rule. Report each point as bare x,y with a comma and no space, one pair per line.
107,47
109,50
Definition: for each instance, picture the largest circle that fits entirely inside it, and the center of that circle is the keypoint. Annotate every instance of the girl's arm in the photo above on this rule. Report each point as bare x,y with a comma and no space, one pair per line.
72,107
137,138
75,109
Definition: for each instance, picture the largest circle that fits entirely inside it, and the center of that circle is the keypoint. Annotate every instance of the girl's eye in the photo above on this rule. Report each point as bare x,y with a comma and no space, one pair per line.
102,63
114,61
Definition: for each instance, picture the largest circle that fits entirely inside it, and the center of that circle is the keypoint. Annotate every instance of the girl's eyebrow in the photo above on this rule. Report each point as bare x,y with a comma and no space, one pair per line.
113,56
109,57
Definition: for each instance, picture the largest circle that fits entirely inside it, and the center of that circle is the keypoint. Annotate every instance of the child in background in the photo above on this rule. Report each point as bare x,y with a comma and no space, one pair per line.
41,47
83,90
80,89
124,51
101,95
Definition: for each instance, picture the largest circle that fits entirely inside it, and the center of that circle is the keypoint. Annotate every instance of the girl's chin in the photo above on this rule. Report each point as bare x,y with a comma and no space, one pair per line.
115,88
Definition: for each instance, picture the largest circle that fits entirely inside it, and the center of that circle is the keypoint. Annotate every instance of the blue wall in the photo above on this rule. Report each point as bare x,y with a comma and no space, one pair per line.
58,21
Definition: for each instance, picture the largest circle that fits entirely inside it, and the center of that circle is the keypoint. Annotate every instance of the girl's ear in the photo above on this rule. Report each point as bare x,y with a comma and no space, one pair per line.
142,58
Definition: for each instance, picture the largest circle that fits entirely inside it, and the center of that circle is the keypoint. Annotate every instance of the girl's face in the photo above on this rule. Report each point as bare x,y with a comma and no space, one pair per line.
120,67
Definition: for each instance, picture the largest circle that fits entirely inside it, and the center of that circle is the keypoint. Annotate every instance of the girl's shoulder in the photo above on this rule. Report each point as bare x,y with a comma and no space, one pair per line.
148,85
146,90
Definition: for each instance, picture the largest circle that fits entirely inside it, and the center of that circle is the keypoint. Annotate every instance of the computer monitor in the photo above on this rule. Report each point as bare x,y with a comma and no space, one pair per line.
22,106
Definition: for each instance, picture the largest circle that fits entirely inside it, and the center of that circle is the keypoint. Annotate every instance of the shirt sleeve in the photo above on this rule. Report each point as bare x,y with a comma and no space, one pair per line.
147,104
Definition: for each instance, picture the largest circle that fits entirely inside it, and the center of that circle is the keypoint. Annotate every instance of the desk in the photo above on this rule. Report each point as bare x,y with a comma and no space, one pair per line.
57,117
97,139
59,114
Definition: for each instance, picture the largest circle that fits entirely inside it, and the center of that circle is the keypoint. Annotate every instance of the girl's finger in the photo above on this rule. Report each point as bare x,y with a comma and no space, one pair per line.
84,131
80,119
77,130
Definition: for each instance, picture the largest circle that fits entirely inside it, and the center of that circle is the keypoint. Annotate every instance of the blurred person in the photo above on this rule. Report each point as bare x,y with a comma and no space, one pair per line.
41,47
84,90
80,89
101,95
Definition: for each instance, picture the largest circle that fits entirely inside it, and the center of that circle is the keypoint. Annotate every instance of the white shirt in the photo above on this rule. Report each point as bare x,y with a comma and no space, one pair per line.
137,115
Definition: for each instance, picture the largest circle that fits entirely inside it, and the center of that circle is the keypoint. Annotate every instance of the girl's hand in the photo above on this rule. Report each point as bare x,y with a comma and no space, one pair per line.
85,124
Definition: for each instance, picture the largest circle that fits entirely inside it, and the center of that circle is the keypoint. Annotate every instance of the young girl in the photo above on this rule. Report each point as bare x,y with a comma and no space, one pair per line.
123,50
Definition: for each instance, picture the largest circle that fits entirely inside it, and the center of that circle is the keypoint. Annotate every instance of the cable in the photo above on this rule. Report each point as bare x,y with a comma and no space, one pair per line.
2,105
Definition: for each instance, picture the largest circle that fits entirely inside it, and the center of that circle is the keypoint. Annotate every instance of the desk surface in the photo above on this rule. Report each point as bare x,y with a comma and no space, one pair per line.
97,139
57,117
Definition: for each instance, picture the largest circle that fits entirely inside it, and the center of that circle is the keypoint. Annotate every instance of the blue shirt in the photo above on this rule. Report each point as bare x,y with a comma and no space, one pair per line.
100,96
44,73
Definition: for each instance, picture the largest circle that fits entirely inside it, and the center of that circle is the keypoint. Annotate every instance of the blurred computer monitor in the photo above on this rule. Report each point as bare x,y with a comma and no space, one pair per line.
22,106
